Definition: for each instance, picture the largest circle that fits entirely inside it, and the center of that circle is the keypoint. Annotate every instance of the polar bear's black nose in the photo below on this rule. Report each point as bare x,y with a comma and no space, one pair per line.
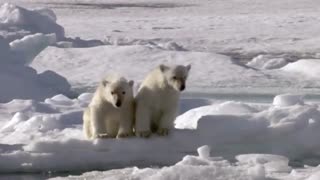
118,104
182,87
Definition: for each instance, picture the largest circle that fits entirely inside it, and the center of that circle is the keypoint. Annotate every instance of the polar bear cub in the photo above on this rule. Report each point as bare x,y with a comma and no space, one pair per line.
111,111
157,99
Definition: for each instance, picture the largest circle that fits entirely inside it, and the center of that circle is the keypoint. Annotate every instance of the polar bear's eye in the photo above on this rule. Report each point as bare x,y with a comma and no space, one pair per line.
123,92
174,77
112,92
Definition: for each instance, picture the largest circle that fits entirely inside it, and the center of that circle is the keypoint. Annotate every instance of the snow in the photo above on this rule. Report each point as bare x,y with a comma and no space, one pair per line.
315,176
34,85
209,72
189,119
41,119
17,22
309,68
195,167
27,48
204,152
14,58
257,172
267,62
190,167
51,139
187,169
21,19
287,100
280,130
271,163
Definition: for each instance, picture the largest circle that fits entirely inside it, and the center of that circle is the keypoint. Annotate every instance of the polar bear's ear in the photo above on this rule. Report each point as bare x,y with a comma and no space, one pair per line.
188,67
131,83
104,83
163,68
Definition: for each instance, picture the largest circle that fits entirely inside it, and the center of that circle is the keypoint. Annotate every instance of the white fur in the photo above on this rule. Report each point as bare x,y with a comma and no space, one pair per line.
157,99
103,118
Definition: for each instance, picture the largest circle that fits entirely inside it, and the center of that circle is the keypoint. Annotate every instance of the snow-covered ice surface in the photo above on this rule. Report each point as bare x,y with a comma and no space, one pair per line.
14,74
224,26
209,70
243,52
47,136
17,22
305,67
242,29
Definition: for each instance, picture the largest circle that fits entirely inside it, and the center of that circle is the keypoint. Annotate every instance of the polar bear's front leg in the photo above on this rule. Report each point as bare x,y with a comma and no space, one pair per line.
166,122
142,124
125,126
87,127
97,123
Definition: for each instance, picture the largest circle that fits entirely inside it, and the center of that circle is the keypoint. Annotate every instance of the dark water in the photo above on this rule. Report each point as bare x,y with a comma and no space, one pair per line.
36,176
23,176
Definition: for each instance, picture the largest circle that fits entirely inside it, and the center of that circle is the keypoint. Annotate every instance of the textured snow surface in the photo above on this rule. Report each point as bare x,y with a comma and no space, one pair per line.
305,67
23,82
267,62
47,136
248,167
16,22
234,47
210,71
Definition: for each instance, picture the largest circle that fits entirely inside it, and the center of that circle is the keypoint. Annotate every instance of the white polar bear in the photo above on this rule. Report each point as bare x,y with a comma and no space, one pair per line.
157,99
111,111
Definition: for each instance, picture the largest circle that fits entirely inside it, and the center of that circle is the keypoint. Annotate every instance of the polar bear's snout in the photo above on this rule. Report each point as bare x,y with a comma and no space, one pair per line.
182,87
117,100
179,83
118,103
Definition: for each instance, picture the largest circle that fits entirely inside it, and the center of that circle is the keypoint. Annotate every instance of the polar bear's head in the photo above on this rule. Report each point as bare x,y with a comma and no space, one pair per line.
117,92
176,76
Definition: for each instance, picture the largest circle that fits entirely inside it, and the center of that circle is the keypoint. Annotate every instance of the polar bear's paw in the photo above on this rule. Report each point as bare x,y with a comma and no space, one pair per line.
103,136
144,134
163,132
124,134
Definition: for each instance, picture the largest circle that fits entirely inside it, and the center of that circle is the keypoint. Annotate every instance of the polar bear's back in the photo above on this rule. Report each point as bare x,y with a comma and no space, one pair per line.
153,80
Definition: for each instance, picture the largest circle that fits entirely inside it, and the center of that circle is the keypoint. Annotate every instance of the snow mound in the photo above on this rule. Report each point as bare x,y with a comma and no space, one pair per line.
19,19
27,48
42,120
189,119
85,97
17,118
204,152
34,85
17,22
14,74
46,12
267,62
288,100
307,67
289,130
